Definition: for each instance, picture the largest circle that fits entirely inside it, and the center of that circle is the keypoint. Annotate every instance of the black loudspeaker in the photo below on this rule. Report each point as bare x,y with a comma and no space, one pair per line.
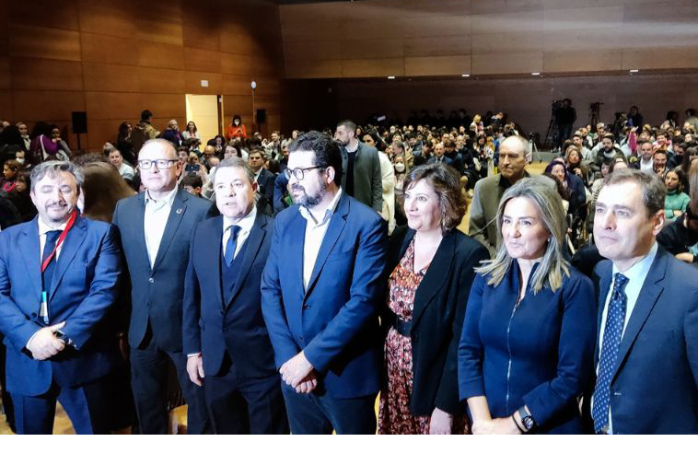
79,122
261,116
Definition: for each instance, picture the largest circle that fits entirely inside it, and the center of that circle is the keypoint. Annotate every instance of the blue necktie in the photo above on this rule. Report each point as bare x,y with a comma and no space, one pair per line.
615,320
51,238
232,243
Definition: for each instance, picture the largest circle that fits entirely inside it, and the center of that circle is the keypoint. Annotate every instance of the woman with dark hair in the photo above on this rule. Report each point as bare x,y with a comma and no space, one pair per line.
11,142
22,199
429,272
124,145
8,182
676,200
572,184
237,129
43,147
191,132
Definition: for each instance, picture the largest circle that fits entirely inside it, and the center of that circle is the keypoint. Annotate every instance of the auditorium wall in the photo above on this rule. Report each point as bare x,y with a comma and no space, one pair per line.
113,59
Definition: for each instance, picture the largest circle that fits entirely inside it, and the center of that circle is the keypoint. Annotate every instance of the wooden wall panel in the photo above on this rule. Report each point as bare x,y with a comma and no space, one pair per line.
114,59
438,66
503,36
371,68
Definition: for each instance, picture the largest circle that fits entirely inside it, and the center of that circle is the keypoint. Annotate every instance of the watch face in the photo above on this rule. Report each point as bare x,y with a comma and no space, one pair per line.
528,422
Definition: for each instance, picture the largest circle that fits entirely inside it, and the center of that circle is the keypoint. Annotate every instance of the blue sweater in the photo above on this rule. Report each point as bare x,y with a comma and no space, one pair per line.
536,354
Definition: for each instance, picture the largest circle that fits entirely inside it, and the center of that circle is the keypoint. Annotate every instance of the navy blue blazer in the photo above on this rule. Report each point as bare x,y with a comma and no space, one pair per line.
654,389
335,322
212,326
156,294
83,290
536,354
265,185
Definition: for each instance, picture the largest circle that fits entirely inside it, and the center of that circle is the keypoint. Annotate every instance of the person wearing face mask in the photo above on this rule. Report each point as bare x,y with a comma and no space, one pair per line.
429,272
59,279
226,341
400,176
528,337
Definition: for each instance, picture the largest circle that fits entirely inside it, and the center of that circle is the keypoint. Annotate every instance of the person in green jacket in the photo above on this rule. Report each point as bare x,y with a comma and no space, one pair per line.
676,199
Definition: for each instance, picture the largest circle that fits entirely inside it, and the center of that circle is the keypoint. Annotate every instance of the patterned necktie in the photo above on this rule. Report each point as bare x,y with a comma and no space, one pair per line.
615,320
232,244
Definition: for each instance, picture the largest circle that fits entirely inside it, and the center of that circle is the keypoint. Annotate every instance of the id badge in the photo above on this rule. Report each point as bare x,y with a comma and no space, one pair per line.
43,311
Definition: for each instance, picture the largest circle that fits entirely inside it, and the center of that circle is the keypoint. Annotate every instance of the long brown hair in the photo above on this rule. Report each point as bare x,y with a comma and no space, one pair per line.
102,188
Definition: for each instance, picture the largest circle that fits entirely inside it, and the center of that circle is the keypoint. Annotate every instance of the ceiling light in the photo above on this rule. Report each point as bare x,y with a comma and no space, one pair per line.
391,77
465,75
535,74
634,70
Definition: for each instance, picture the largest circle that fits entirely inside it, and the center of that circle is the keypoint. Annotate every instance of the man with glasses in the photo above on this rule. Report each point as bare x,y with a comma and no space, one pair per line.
321,289
156,228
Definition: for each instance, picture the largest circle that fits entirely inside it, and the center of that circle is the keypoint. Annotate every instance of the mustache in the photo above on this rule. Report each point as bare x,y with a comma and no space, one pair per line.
297,187
60,203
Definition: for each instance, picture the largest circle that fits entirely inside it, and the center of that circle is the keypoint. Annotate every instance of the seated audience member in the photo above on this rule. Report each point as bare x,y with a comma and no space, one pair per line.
230,150
676,199
191,133
125,170
11,143
22,199
575,165
194,167
8,182
172,133
659,161
572,184
192,184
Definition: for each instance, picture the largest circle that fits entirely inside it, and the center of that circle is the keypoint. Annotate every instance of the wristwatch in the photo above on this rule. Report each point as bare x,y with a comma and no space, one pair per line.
527,420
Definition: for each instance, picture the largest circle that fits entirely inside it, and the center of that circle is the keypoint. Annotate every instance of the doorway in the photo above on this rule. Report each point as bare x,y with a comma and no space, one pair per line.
205,111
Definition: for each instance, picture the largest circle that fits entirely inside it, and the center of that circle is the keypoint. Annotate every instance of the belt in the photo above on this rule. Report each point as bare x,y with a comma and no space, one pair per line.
403,327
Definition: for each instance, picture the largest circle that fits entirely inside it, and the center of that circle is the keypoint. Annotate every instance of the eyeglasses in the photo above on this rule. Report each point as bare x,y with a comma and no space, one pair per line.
299,173
162,163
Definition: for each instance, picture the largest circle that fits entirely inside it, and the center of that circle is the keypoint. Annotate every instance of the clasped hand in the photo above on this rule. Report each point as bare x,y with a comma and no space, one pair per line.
299,374
44,344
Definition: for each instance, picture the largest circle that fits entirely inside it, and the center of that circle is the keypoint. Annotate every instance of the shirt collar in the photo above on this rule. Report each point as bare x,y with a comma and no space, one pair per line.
44,228
305,212
640,269
245,223
167,200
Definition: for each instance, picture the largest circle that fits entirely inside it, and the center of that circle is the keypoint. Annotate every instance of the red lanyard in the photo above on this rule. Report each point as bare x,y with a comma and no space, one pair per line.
60,240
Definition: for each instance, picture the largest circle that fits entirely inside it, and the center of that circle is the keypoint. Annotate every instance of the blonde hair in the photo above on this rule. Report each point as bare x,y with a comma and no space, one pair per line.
553,267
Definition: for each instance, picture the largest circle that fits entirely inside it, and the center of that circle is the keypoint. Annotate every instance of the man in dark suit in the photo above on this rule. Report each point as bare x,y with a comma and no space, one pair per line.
58,280
646,360
361,167
320,293
156,227
440,155
264,180
225,338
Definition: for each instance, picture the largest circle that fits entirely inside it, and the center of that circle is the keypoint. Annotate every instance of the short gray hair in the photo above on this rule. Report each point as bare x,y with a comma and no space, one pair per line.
234,162
652,188
52,168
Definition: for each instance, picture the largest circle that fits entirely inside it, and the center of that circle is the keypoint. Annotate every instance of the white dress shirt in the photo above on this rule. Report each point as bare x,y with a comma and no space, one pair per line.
647,165
43,229
245,224
155,219
314,234
636,275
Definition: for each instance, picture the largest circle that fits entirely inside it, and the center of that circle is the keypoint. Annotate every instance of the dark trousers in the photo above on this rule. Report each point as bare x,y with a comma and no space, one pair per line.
86,406
6,398
321,414
149,383
245,406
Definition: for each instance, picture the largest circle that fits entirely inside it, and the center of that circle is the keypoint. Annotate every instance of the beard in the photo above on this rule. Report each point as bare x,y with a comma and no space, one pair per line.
307,201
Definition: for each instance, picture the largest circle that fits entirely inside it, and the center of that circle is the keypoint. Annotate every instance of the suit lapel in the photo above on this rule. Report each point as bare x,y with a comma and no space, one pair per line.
212,257
334,230
179,207
30,250
254,242
650,292
436,276
604,286
71,244
140,226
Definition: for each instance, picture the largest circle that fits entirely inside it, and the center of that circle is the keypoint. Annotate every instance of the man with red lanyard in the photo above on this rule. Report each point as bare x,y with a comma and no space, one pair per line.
58,281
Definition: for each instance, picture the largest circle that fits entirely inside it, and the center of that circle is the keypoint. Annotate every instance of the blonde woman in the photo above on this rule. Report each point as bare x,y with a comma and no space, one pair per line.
528,337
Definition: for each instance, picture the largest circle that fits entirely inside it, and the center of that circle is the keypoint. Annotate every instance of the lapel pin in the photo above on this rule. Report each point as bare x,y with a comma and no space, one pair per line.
179,211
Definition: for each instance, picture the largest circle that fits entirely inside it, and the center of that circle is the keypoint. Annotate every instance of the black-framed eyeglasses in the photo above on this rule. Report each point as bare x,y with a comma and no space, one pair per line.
299,173
162,163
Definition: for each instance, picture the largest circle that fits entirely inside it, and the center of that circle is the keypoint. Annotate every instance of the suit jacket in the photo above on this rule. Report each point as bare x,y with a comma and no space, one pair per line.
654,386
156,294
83,289
211,325
437,317
483,209
368,183
445,159
334,322
265,181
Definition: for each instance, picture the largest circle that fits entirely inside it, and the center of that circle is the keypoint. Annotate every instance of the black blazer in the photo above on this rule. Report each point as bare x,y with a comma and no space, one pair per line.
437,319
265,183
212,326
156,294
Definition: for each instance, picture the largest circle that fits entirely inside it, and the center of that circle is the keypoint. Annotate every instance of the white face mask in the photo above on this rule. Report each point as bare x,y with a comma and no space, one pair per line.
400,167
